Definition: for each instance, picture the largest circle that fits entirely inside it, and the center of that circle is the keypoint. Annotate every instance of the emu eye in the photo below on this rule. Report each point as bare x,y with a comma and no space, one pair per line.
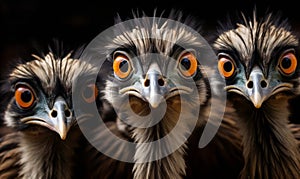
287,63
121,66
24,97
188,64
90,93
226,67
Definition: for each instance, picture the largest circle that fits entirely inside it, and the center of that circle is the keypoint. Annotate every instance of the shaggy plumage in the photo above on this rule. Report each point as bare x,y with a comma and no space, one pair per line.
258,58
155,99
40,110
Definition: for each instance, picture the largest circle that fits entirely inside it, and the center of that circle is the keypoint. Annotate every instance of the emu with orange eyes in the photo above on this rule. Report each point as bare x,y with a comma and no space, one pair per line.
41,111
159,88
259,60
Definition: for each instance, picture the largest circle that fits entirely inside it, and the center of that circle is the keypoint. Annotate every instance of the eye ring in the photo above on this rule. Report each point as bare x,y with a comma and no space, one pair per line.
226,67
287,63
188,64
90,93
121,66
24,96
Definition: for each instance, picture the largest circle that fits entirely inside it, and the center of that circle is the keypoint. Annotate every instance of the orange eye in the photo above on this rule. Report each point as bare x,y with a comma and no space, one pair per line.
226,67
24,97
188,64
121,66
288,63
90,93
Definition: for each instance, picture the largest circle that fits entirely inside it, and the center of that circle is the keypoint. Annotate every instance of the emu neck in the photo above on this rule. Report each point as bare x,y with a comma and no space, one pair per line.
47,156
270,149
165,143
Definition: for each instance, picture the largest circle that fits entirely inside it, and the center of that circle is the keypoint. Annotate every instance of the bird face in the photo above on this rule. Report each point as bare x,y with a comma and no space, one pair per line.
156,86
154,70
33,106
150,82
41,95
258,61
145,88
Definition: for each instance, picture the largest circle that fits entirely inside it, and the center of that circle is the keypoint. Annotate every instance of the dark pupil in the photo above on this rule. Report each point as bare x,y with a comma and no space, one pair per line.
26,96
88,92
286,63
227,66
124,66
185,62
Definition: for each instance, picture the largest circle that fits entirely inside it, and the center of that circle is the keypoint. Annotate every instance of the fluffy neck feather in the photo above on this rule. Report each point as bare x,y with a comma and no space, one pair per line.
270,149
47,156
173,165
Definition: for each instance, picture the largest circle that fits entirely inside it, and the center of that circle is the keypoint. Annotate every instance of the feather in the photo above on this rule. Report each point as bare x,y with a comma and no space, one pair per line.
149,42
38,149
269,146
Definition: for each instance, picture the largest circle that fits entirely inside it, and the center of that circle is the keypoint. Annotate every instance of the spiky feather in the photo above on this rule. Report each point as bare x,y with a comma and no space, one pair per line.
144,36
40,152
270,149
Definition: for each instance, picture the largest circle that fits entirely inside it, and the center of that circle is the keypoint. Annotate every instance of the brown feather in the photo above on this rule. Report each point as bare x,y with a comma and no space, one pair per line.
9,156
269,146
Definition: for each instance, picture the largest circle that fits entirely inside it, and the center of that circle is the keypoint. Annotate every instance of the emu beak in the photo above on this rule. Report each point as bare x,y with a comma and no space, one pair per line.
257,87
57,119
59,115
154,86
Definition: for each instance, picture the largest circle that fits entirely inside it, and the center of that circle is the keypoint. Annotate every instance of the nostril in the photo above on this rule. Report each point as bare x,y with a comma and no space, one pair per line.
250,84
161,82
263,84
67,113
147,82
53,113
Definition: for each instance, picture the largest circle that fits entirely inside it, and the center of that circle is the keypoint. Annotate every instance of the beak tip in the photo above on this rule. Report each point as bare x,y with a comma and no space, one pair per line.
154,104
257,100
257,105
62,132
155,101
63,137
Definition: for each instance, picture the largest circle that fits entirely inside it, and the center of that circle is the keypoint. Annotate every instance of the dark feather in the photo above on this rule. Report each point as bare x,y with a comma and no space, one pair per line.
39,151
269,146
9,156
225,148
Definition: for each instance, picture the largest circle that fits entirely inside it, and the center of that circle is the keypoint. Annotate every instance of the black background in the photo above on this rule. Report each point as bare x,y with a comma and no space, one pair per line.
25,25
